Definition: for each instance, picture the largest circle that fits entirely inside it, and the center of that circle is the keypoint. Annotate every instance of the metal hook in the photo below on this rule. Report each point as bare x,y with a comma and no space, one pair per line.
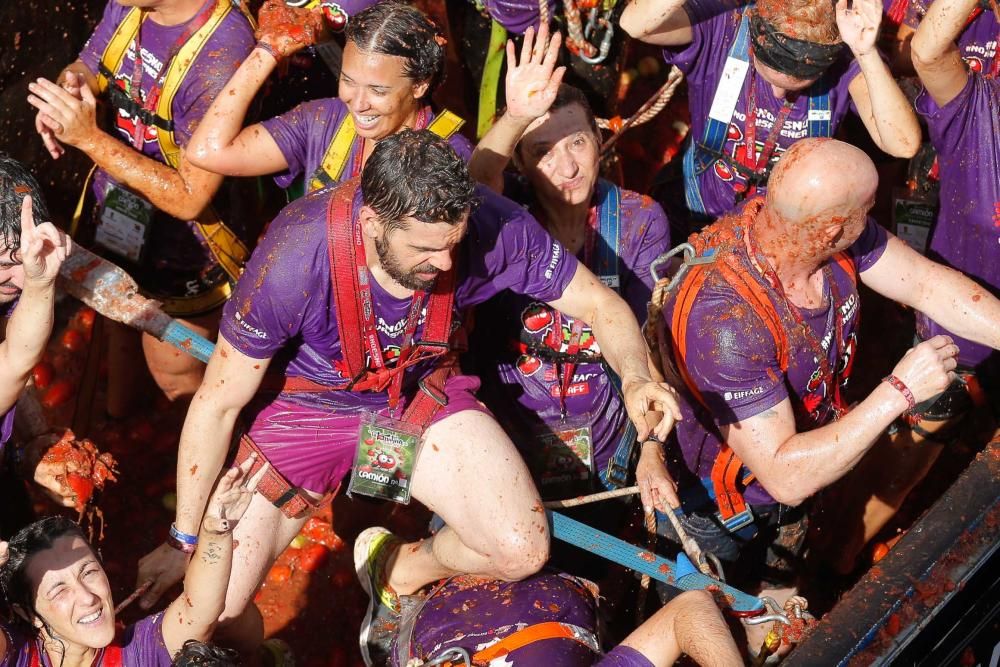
605,49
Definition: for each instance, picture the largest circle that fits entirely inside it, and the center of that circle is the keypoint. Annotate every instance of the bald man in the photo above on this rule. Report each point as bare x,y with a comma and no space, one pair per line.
764,338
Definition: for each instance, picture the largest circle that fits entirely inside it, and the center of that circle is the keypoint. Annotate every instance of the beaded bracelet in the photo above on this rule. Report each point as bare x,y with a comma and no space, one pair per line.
903,389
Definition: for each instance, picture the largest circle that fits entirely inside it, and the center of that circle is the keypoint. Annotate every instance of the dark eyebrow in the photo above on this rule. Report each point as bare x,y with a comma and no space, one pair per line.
427,249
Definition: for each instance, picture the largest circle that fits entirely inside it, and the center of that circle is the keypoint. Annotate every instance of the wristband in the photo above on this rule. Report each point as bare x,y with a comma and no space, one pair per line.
183,538
180,546
264,46
903,389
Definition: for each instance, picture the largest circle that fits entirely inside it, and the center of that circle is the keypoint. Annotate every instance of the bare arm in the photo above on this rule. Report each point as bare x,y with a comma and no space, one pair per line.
884,109
42,251
195,613
936,57
531,87
219,144
617,332
183,192
70,79
657,22
231,380
945,295
793,466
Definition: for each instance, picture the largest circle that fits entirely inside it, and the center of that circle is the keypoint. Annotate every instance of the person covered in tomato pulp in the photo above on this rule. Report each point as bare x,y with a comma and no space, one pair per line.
795,67
392,63
764,337
335,354
550,618
180,231
544,375
60,597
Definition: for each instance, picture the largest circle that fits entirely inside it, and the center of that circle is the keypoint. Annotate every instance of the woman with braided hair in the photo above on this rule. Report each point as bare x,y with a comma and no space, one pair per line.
785,65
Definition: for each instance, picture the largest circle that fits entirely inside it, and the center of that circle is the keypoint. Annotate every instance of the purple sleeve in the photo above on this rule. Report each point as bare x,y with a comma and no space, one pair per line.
292,130
947,125
868,249
215,65
517,15
732,358
143,643
98,41
272,298
651,227
462,146
17,654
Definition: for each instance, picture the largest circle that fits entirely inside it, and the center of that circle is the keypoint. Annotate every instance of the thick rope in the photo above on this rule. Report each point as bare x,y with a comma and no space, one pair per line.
646,112
543,12
592,498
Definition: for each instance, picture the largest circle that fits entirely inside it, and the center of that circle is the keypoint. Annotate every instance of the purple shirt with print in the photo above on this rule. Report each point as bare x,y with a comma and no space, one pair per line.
304,133
518,15
142,646
283,306
472,613
732,357
714,30
522,389
966,134
978,42
171,243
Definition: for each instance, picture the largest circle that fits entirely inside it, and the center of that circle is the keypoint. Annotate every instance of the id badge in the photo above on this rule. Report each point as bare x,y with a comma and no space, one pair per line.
563,456
384,460
124,223
913,215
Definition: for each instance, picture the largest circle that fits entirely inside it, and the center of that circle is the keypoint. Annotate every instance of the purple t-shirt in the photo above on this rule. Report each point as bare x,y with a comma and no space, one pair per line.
703,61
470,613
521,388
142,646
283,305
7,423
304,133
978,42
732,356
171,243
966,134
517,15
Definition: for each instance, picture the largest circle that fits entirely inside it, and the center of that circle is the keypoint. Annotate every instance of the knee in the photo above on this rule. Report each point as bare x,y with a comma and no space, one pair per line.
521,553
699,599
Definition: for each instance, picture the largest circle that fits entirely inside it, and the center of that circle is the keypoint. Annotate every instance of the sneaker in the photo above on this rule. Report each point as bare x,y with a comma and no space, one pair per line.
277,653
372,549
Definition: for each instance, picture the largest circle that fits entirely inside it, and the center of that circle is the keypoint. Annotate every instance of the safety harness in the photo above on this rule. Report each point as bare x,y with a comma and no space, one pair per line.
444,125
716,252
701,155
225,246
601,255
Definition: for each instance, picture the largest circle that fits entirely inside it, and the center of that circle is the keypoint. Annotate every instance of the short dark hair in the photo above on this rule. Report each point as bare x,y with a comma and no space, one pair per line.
398,29
203,654
568,95
16,182
21,548
415,173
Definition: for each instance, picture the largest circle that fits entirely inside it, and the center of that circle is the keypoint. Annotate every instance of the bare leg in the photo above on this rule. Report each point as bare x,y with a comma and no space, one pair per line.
177,373
260,537
470,473
690,623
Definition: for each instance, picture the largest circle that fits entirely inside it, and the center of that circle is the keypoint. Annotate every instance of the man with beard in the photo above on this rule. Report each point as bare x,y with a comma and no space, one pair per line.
31,252
336,357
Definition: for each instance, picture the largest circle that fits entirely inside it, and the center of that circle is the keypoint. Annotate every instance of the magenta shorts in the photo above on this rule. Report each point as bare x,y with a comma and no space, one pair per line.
314,448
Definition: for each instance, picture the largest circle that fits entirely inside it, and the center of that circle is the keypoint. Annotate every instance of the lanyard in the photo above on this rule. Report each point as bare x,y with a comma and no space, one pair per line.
828,373
421,122
369,334
153,97
759,165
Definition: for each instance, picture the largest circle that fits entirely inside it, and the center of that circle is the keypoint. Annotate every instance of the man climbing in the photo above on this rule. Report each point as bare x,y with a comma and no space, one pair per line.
334,354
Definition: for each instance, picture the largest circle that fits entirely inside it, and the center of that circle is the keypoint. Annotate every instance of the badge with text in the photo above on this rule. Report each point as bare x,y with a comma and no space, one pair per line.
383,463
124,223
562,460
913,215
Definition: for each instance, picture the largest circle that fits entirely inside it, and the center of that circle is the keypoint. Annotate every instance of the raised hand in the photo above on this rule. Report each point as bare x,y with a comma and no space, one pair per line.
533,82
859,22
43,247
71,118
232,496
285,30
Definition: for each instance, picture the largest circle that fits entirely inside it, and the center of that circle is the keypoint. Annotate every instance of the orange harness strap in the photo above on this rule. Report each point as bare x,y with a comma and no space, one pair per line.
530,635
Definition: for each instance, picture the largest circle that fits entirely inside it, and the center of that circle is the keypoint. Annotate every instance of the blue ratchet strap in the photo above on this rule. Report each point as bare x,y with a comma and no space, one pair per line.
188,341
819,114
620,464
682,574
609,197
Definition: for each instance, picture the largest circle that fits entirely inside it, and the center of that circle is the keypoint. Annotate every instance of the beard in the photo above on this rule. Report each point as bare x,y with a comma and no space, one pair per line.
407,279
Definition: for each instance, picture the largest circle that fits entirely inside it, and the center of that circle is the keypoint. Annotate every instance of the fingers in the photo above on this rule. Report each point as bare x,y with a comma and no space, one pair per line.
87,95
527,45
259,475
552,53
27,221
54,148
511,57
646,494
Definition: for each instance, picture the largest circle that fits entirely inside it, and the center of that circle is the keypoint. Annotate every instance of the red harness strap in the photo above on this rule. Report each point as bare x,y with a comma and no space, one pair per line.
361,355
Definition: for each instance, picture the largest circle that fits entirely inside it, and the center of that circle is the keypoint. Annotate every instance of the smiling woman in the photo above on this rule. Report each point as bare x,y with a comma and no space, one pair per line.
64,614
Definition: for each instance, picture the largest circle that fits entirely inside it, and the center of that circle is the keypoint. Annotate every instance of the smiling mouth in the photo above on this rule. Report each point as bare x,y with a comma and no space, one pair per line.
90,619
365,121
